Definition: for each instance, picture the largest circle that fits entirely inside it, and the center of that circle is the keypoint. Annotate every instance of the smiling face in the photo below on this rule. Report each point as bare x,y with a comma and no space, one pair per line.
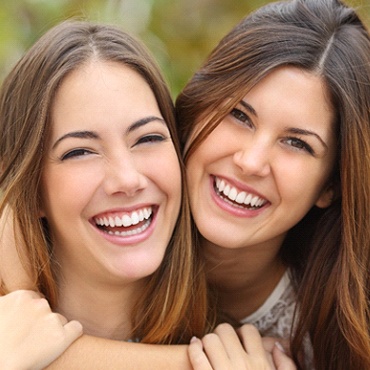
111,179
267,163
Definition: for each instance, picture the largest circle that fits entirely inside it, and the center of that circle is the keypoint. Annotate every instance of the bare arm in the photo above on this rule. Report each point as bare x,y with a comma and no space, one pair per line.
87,352
13,274
97,353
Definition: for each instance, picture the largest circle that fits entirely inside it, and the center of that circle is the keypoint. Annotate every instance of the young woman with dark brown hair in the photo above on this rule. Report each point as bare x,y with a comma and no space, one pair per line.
278,169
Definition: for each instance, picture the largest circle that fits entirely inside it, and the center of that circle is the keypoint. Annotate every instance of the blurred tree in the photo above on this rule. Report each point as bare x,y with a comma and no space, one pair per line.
180,33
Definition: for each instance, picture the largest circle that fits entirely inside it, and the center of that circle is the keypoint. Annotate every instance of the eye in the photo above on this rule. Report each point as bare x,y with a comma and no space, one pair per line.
150,139
299,144
242,117
75,153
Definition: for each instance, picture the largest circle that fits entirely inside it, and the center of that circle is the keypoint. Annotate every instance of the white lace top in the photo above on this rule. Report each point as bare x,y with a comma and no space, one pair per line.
275,317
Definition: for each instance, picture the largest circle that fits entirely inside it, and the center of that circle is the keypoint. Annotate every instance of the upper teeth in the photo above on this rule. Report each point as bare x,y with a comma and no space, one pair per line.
240,197
126,220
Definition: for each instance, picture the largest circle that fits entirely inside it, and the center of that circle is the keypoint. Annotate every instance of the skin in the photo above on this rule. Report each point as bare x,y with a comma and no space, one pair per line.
278,134
19,349
289,134
104,159
227,349
109,148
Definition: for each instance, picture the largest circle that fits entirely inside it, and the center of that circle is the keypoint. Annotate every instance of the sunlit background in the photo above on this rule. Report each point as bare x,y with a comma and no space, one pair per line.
180,33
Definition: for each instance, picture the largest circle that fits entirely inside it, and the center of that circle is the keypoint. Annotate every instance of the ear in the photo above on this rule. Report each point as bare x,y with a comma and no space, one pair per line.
326,197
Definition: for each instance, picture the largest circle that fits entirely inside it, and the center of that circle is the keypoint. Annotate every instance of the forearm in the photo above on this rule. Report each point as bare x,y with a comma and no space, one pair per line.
98,353
13,274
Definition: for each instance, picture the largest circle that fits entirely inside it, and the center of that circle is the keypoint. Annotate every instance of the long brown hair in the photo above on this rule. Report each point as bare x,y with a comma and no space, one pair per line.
329,250
173,307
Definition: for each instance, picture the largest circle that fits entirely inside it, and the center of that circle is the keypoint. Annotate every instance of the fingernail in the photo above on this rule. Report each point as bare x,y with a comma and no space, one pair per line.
280,347
193,339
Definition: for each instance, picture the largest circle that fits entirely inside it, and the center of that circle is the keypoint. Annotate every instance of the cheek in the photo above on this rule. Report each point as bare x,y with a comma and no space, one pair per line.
66,191
301,184
165,173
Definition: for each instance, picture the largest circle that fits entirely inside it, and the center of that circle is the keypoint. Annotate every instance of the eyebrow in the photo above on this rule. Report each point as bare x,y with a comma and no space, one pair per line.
248,107
93,135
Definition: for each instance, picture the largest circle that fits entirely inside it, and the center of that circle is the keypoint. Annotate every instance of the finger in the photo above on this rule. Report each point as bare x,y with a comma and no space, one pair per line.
269,343
62,319
281,360
72,330
230,340
198,358
215,350
251,340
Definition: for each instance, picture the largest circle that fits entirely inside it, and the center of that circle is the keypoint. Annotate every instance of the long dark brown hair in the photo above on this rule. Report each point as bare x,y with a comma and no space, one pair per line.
329,250
173,307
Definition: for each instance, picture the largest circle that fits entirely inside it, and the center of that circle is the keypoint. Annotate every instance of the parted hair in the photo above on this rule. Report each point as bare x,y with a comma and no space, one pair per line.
173,307
329,250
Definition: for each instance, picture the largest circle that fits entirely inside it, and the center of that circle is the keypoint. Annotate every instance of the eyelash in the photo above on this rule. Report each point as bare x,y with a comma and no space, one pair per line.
302,145
241,116
75,153
149,139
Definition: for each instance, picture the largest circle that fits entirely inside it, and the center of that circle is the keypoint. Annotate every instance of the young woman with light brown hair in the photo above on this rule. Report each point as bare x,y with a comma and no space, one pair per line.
88,132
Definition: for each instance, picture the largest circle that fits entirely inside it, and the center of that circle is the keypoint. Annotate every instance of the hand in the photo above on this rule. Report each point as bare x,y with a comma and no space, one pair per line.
31,335
225,350
278,348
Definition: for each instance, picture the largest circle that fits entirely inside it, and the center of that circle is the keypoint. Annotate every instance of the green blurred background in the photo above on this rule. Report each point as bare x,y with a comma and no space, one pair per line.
180,33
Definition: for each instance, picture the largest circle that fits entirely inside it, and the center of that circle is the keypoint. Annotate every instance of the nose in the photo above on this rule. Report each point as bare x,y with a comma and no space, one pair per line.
123,175
253,159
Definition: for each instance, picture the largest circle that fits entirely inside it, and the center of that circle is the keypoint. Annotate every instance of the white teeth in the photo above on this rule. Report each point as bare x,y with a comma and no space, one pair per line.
220,184
227,190
233,194
126,220
239,197
248,199
131,232
254,201
118,221
135,218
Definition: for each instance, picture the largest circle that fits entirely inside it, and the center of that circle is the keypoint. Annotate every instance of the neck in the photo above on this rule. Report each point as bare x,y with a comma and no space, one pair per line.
104,310
243,278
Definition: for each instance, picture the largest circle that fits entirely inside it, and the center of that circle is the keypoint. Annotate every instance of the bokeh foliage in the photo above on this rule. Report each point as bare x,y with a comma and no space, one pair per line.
180,33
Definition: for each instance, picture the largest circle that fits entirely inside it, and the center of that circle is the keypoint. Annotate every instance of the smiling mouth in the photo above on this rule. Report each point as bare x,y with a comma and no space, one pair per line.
237,198
126,224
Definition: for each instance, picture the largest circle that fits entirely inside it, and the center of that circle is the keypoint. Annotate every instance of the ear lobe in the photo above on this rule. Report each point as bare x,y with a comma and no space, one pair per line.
326,198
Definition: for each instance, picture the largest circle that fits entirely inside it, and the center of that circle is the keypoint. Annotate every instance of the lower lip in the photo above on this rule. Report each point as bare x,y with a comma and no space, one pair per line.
231,209
130,240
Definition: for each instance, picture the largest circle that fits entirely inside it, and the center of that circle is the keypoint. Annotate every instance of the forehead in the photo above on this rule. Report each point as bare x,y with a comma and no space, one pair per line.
293,97
102,93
